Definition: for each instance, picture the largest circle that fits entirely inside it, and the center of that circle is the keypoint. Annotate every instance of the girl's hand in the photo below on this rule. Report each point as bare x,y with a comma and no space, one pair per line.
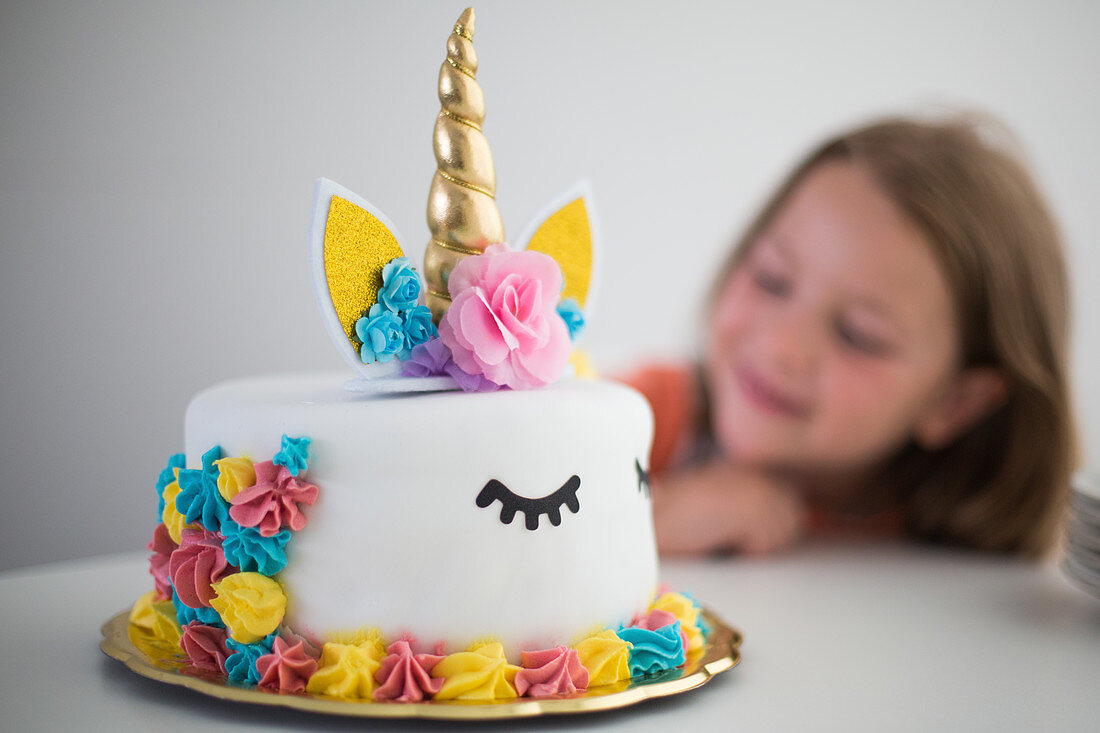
719,507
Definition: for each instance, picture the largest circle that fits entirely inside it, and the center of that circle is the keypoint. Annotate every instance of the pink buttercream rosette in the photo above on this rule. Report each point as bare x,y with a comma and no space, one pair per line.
502,322
196,565
555,671
205,646
405,676
162,548
272,502
288,667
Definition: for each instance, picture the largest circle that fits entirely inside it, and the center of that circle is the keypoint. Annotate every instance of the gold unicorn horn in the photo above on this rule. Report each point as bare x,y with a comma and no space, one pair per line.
462,209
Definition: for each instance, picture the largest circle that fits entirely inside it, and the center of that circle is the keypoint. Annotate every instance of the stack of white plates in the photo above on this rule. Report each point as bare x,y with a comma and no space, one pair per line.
1082,562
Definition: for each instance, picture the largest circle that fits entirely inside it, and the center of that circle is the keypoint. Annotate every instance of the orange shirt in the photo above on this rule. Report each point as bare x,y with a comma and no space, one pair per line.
671,391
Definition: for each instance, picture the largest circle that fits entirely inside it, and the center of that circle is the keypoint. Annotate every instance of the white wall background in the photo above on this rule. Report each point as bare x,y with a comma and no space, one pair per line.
157,163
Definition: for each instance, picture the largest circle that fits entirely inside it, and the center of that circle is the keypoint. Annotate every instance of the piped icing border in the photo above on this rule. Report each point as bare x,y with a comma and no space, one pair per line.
217,603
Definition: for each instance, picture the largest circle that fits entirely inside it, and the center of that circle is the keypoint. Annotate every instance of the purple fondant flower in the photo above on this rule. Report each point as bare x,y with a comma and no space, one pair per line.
427,359
470,382
432,358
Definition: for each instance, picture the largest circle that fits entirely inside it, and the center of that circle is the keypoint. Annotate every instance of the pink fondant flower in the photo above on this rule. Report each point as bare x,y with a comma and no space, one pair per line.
162,547
556,671
196,564
272,502
405,676
502,322
288,667
658,619
205,646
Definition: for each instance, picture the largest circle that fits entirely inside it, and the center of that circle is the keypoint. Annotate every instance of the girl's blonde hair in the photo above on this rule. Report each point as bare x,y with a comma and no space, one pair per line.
1003,485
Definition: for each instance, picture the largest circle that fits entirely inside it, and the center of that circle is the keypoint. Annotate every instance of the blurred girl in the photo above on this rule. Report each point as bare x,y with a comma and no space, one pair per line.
886,353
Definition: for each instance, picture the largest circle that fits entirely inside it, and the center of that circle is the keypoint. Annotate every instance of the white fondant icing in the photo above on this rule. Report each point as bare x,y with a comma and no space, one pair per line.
396,540
399,384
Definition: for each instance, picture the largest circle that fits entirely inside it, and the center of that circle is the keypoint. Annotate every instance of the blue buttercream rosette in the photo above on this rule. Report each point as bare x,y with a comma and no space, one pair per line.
199,499
185,614
654,651
250,551
700,622
240,666
293,453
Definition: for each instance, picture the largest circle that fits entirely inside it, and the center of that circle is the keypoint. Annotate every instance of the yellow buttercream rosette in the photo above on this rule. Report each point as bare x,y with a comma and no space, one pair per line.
234,474
606,657
480,674
250,604
687,613
583,368
172,518
370,639
347,670
155,621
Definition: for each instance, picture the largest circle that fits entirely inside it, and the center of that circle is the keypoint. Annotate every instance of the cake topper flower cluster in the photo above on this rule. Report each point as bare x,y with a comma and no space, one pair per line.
485,315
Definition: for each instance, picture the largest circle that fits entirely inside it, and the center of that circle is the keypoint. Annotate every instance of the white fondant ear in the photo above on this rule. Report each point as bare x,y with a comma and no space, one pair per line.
350,241
567,230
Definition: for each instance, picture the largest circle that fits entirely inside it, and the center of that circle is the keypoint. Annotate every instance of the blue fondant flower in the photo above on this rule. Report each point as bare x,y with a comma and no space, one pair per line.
250,551
199,499
400,285
167,476
418,327
654,651
571,313
293,453
240,666
382,335
185,614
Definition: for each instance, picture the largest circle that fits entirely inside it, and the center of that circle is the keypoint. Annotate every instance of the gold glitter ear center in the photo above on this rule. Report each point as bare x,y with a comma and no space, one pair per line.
567,237
357,247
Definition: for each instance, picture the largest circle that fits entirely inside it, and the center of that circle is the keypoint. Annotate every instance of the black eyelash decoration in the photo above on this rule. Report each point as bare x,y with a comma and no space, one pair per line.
643,478
550,505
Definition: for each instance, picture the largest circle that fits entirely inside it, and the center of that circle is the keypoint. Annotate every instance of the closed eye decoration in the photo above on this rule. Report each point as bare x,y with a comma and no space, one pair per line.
532,509
643,478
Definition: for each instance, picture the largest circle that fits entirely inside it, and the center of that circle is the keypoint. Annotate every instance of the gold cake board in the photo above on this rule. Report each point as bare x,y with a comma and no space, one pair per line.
170,665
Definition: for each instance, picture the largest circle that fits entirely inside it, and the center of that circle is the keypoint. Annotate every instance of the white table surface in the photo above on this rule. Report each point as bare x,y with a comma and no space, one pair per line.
837,637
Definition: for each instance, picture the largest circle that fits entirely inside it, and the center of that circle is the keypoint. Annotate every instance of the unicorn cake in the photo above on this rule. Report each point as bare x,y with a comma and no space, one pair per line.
462,515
